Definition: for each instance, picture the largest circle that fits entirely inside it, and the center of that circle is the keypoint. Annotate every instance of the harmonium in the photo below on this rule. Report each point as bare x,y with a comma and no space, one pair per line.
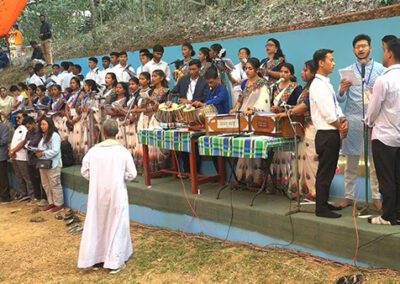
262,123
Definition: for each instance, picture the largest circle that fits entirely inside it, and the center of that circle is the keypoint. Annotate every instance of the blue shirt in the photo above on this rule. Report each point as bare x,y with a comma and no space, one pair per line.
219,98
52,150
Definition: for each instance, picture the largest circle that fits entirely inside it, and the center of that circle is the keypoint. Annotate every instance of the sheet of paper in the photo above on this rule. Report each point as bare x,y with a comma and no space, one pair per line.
349,75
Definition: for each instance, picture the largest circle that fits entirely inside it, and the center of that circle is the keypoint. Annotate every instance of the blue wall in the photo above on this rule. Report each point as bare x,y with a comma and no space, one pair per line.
298,45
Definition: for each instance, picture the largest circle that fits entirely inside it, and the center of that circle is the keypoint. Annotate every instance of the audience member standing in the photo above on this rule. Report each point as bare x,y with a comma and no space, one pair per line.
45,36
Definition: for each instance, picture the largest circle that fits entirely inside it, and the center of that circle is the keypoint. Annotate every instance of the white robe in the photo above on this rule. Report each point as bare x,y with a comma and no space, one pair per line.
106,234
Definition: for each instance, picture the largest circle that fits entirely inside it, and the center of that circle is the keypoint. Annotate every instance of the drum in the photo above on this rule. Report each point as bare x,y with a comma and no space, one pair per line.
207,110
189,114
169,113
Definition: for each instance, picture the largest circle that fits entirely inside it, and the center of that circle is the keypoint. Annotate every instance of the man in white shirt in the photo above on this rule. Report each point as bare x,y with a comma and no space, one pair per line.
55,74
144,56
65,76
38,78
331,127
105,61
157,64
93,73
19,158
123,71
114,58
383,116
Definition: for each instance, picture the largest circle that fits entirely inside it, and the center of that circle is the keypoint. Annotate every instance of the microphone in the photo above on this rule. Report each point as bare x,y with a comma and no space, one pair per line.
174,62
363,63
277,83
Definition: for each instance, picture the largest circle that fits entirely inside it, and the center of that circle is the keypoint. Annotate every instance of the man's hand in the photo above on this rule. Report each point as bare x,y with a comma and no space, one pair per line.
344,85
197,104
183,101
344,128
276,109
281,115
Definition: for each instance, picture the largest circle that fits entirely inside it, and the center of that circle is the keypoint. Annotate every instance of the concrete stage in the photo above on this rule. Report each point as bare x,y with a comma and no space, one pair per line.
166,204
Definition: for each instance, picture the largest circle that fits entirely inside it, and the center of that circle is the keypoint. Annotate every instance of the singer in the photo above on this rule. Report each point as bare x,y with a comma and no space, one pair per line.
367,70
157,64
331,127
383,116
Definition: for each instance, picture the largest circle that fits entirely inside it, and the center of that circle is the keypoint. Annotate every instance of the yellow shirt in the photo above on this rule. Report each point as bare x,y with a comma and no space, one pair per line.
17,37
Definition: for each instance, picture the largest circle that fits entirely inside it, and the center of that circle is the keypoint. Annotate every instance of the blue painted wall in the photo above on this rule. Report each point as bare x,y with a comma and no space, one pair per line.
298,45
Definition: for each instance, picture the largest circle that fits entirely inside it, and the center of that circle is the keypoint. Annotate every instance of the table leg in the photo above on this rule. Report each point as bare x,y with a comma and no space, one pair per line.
174,162
193,166
146,165
221,170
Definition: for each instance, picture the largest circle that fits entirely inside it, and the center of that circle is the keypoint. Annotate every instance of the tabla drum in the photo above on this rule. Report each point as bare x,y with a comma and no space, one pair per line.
165,113
189,114
205,111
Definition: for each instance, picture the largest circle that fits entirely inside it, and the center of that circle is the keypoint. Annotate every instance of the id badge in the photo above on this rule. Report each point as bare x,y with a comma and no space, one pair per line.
72,112
367,95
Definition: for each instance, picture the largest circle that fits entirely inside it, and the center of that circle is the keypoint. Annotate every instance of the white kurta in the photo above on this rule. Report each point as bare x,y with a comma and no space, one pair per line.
106,234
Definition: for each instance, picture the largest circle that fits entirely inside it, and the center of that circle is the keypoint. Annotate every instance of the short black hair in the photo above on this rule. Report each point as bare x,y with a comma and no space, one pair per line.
105,58
361,37
388,38
211,73
158,48
33,42
38,67
14,88
123,53
114,53
144,50
80,77
32,87
319,55
55,65
195,62
134,79
246,49
94,59
77,66
65,65
394,46
28,120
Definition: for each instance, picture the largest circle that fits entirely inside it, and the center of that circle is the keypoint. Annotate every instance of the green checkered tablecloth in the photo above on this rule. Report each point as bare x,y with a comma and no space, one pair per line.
242,147
176,140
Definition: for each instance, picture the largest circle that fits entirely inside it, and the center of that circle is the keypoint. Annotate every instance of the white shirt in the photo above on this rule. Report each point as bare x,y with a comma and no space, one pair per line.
103,74
18,137
162,65
238,73
5,105
56,78
93,74
38,81
324,106
65,79
121,72
140,69
384,108
190,91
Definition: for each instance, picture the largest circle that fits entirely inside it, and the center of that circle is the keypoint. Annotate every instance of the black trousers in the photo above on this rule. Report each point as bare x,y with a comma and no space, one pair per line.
387,165
327,146
4,185
35,178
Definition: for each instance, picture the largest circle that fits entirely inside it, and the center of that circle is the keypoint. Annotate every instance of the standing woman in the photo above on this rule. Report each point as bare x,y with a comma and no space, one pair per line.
158,157
204,57
144,108
51,177
109,92
130,118
287,92
254,97
183,68
307,156
269,66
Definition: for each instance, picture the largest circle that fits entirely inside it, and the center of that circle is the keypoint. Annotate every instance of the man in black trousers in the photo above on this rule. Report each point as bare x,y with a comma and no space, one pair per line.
331,127
383,116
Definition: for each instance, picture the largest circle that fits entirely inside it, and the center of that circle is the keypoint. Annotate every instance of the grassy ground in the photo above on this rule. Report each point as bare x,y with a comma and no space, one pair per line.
46,253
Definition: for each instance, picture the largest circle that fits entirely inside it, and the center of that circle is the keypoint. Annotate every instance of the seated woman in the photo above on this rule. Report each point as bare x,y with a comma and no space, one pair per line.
285,93
217,95
254,97
307,157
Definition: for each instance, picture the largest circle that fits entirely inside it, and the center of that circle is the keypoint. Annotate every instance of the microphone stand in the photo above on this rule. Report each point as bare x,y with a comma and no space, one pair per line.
297,208
366,209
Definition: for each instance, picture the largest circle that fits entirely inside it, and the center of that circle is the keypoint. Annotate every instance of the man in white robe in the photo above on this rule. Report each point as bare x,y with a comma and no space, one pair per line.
106,235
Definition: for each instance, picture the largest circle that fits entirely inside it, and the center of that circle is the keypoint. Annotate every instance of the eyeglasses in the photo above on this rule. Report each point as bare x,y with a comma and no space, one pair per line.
270,44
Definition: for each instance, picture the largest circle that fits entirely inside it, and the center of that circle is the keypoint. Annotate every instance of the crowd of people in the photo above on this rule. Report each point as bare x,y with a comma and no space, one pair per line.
48,113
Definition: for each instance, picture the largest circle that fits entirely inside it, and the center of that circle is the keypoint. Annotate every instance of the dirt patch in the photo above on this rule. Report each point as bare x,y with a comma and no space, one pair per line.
46,253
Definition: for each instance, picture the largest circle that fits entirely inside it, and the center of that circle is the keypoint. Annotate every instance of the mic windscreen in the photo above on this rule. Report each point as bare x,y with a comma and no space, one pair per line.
363,63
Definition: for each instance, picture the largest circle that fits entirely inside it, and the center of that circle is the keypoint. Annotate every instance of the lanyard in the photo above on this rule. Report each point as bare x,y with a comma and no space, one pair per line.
370,73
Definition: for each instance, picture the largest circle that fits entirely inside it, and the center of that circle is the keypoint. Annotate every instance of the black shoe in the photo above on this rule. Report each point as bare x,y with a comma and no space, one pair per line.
327,214
334,208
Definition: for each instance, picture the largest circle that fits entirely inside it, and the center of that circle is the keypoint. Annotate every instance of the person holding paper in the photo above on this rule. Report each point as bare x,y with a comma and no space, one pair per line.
350,93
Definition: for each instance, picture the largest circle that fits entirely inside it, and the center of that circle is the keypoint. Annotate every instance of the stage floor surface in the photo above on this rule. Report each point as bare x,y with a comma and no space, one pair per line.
379,246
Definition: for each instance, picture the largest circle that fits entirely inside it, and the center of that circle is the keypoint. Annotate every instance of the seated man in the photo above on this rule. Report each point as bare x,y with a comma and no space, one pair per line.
37,54
217,93
4,61
191,87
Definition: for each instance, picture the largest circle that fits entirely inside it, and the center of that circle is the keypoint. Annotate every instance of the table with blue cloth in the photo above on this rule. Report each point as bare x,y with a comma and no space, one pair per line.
244,146
176,140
